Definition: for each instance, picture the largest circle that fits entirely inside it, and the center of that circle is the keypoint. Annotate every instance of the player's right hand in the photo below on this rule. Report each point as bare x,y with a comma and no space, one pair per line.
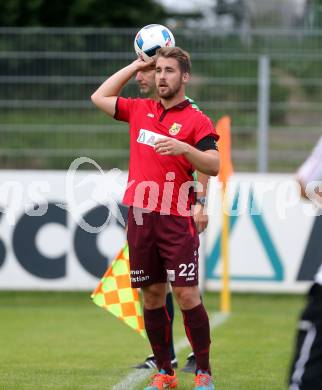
142,65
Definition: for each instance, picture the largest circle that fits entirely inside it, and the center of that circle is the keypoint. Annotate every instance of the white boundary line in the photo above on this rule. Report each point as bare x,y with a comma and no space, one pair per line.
138,376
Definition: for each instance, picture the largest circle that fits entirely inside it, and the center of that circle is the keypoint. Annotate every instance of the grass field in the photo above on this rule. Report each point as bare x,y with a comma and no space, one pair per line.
63,341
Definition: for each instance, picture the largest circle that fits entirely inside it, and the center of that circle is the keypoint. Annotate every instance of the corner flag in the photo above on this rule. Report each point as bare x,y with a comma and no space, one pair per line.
115,294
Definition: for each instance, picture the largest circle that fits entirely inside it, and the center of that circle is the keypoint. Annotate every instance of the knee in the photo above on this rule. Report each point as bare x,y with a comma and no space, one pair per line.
154,296
187,297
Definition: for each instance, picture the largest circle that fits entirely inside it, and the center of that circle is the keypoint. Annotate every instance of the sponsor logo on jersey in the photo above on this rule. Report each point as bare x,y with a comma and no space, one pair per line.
175,128
148,137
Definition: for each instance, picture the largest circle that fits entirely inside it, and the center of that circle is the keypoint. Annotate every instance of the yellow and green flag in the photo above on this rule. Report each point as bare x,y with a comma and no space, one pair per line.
115,294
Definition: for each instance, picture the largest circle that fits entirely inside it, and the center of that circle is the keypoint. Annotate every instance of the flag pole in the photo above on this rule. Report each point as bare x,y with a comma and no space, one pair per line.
225,298
226,170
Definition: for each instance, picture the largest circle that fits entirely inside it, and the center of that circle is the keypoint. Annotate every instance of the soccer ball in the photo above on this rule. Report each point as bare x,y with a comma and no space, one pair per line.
151,38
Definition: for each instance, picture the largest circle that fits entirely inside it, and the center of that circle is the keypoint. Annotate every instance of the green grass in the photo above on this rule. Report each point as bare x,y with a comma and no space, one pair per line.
63,341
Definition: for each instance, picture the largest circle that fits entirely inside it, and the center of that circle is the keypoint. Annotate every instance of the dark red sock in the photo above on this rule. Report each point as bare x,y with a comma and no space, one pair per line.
158,329
197,327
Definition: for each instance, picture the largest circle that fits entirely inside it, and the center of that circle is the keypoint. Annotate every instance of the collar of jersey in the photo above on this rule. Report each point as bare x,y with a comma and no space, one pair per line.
179,106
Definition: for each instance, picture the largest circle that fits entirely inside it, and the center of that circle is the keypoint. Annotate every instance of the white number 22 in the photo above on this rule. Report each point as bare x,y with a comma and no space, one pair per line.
184,268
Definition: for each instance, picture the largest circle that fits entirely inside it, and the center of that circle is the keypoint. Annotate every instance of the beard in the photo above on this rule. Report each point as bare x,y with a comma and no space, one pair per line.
147,90
143,90
169,92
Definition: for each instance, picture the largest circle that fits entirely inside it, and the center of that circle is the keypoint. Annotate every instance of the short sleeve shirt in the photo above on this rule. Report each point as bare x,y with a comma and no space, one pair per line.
311,169
161,183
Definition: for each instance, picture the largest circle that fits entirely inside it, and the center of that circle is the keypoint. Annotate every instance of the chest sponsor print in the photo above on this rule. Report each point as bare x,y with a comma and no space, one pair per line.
148,137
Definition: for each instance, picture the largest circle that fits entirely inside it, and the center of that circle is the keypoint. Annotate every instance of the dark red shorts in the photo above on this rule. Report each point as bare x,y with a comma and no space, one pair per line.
164,247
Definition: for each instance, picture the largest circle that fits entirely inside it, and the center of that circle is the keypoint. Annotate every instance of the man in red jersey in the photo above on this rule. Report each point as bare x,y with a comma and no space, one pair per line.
168,141
146,83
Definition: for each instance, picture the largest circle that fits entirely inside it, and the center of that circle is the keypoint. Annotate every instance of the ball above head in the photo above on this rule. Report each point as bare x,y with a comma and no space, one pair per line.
151,38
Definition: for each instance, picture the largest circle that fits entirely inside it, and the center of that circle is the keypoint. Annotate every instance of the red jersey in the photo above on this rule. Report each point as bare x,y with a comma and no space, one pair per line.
161,183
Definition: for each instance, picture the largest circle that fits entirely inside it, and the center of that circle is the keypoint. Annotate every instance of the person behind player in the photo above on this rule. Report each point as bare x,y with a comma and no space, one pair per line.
306,367
146,83
168,141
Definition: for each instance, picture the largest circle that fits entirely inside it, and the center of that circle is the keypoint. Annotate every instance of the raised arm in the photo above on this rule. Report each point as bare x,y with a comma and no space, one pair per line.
106,95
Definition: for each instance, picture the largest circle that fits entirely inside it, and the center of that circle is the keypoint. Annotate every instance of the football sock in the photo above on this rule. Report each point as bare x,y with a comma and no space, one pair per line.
197,328
158,329
170,309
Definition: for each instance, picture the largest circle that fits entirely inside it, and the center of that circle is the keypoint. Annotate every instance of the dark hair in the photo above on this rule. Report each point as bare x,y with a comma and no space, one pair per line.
177,53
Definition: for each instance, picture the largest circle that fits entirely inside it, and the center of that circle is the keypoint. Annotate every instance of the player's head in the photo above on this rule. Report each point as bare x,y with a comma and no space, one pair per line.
146,81
181,56
173,69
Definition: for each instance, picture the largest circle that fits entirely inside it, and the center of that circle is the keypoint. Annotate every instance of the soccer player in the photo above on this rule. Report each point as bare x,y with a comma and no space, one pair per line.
168,141
306,368
146,82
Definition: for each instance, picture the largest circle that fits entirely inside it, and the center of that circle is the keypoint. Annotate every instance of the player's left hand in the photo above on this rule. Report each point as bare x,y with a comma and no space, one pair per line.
200,217
170,147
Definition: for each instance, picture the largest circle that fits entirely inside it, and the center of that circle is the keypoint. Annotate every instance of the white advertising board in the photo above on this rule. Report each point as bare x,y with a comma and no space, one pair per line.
60,231
272,235
68,241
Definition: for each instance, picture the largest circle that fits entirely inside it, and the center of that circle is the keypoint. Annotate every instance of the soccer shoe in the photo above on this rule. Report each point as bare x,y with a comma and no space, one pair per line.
161,381
190,365
150,362
203,381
